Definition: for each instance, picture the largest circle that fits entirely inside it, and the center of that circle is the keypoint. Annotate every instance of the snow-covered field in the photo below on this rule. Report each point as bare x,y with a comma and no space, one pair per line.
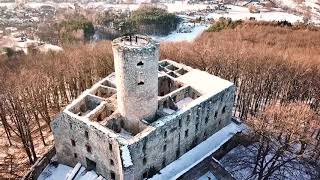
242,13
233,12
175,36
307,5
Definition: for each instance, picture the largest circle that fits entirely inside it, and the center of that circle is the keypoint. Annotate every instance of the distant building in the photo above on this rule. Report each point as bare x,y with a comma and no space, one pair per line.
20,43
149,113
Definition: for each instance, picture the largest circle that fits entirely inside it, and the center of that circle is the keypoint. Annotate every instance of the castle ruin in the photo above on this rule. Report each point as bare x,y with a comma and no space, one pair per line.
144,116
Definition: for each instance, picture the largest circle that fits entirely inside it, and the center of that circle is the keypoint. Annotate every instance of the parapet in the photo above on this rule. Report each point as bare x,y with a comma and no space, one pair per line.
135,42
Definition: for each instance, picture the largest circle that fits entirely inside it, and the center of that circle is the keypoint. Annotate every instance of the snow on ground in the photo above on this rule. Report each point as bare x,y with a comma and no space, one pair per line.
53,173
179,6
8,5
60,172
243,169
313,5
125,134
168,111
175,36
198,153
89,175
74,171
49,47
208,176
183,102
235,13
242,13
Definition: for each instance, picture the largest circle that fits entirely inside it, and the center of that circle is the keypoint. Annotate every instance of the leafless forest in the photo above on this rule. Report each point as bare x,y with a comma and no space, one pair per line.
277,73
272,67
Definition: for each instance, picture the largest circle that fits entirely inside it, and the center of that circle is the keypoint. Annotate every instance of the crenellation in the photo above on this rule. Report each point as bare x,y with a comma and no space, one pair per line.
141,118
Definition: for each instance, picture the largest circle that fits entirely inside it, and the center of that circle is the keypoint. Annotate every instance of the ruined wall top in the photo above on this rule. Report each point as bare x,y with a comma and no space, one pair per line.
135,43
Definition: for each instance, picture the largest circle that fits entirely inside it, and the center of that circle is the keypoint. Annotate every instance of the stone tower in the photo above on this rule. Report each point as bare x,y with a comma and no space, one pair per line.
136,67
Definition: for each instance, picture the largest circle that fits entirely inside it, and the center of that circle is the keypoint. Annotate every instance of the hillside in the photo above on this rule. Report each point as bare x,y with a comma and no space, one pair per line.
268,63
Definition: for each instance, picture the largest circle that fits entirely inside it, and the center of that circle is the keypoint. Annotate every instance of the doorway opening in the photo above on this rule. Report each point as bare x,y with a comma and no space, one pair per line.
91,165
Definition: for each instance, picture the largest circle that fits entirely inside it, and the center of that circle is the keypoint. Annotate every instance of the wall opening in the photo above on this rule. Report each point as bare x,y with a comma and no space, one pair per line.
163,163
223,109
144,147
91,165
145,175
177,153
86,134
73,142
164,148
149,173
88,147
99,118
144,161
186,133
112,175
205,135
111,162
140,63
140,83
165,104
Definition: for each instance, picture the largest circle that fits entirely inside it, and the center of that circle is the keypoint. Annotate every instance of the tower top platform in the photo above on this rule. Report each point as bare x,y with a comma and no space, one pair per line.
134,42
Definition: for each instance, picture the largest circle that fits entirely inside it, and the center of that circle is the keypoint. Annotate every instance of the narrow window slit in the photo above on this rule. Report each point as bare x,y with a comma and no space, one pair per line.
141,83
140,63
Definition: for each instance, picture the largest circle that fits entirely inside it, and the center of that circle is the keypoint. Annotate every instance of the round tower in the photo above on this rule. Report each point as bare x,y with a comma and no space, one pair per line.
136,66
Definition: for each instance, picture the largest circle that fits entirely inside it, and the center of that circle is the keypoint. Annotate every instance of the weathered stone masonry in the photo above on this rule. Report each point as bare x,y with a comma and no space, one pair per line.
133,123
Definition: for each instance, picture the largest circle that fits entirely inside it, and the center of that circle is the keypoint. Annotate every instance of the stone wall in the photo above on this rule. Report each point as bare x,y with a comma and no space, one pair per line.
79,141
176,134
40,165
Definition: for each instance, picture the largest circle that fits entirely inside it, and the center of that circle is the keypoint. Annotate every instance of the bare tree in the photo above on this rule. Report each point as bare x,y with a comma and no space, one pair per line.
281,144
